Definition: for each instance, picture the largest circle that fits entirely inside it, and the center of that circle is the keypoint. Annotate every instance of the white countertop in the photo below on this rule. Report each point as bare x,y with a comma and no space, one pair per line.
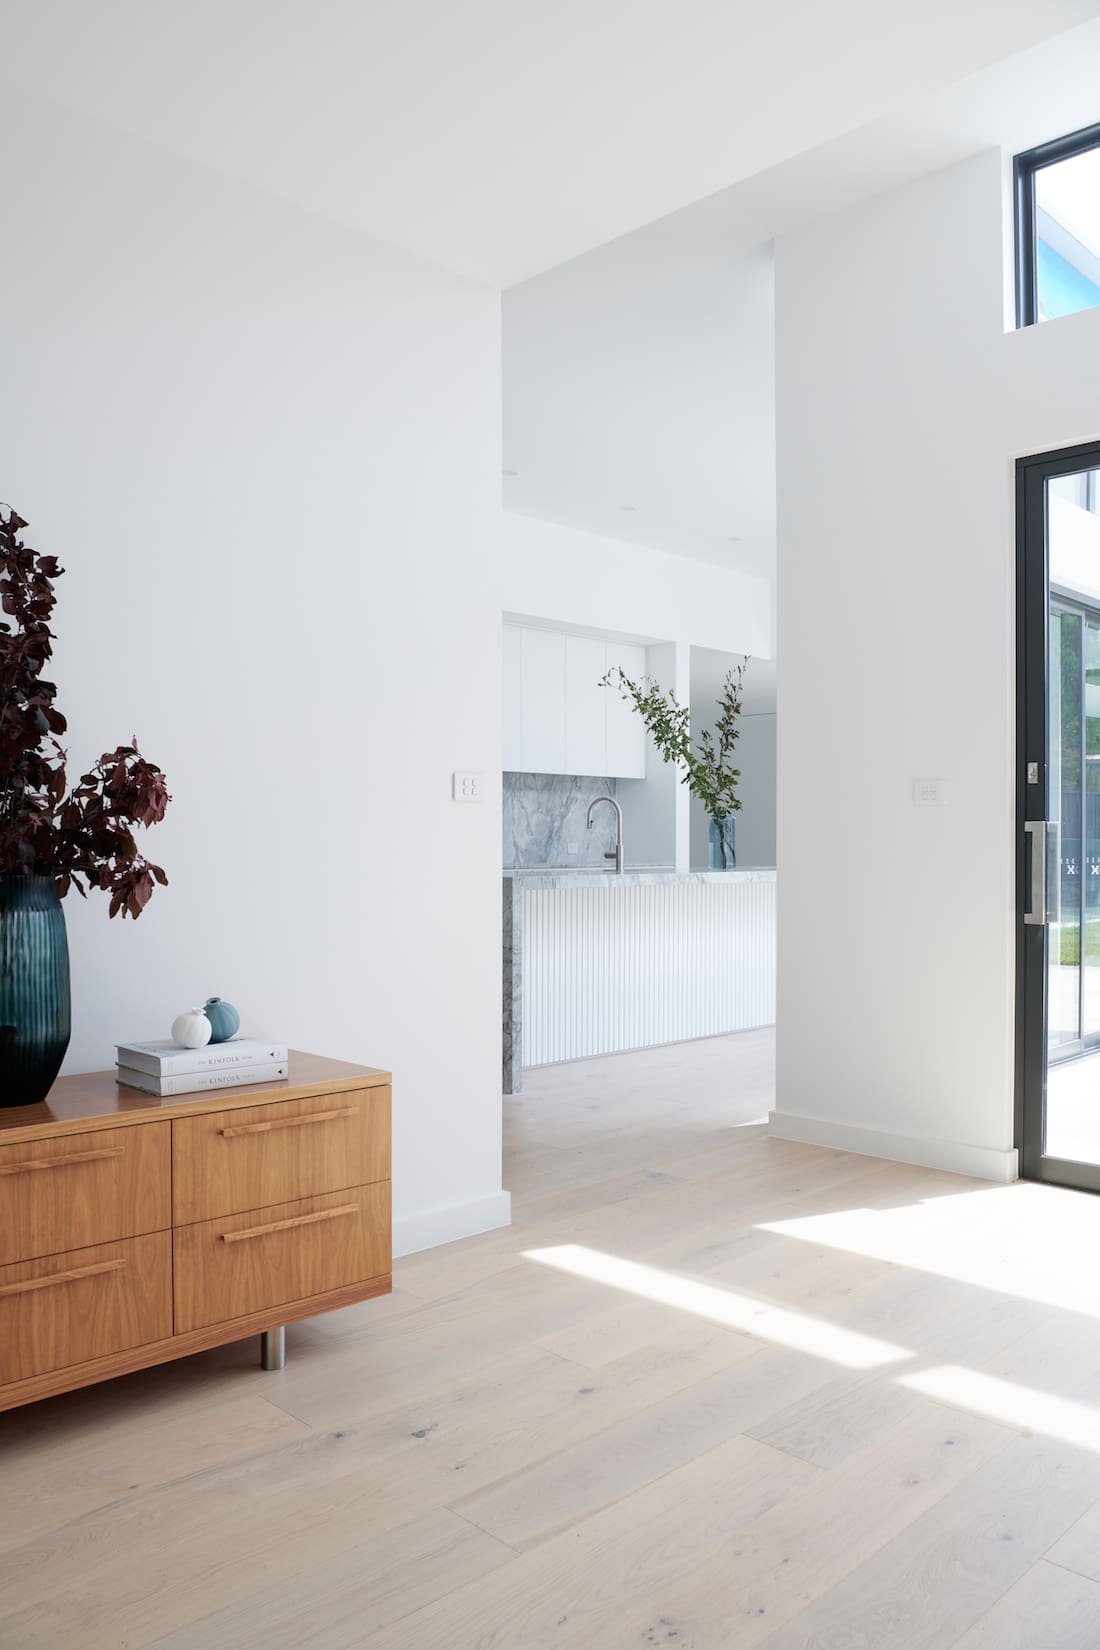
579,876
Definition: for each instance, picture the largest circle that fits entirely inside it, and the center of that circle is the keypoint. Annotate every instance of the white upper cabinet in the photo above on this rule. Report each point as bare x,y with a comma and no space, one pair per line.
557,718
542,701
513,699
585,708
625,729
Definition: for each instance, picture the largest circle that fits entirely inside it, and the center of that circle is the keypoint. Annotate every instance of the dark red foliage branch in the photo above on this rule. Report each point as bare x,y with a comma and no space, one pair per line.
81,837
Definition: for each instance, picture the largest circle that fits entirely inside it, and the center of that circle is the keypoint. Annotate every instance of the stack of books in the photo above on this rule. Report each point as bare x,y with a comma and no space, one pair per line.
165,1068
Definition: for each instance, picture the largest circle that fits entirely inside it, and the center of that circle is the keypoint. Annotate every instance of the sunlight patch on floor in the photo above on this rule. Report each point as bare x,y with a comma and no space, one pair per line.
1033,1242
777,1324
1006,1401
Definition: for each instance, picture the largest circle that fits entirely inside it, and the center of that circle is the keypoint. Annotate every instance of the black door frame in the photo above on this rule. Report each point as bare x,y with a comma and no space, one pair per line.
1033,803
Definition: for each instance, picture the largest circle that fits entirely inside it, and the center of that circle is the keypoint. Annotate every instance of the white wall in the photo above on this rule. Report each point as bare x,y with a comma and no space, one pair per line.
756,823
268,452
584,579
902,402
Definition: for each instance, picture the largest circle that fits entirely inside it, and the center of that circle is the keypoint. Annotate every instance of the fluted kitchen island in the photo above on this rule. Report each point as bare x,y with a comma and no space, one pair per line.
596,963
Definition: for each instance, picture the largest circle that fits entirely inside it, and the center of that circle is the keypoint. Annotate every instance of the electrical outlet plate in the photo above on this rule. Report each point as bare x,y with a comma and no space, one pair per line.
929,793
468,787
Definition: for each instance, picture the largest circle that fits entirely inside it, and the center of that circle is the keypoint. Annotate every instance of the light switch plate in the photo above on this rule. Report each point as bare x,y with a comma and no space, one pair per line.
468,787
929,793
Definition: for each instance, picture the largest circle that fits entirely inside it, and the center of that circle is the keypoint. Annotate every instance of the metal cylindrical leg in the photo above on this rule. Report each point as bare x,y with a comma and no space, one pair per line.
273,1349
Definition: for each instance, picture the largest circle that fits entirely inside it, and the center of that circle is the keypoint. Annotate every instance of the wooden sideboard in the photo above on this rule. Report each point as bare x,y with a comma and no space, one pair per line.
134,1230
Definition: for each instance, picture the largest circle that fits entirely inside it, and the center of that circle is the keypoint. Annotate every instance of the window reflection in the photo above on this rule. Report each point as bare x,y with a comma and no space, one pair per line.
1067,235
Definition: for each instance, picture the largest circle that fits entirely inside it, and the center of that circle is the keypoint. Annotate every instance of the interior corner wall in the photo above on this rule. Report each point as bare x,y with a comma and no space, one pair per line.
902,404
267,450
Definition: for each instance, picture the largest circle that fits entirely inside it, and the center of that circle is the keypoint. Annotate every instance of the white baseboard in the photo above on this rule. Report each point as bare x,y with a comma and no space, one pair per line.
411,1233
983,1162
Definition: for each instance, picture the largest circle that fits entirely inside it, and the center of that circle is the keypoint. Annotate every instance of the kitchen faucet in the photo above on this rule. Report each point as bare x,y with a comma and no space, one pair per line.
617,852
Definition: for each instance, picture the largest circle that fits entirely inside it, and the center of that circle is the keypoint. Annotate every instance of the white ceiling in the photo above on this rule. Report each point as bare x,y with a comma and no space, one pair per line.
643,372
505,138
501,137
642,375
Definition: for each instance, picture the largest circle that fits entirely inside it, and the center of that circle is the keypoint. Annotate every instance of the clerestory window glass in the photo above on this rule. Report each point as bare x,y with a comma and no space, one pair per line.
1058,228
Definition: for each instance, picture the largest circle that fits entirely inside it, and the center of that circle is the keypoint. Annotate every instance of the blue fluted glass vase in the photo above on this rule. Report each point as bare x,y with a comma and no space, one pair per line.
34,989
721,844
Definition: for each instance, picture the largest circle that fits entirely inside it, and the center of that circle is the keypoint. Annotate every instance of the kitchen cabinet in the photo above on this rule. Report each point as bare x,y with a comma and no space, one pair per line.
557,718
585,706
513,701
625,733
542,701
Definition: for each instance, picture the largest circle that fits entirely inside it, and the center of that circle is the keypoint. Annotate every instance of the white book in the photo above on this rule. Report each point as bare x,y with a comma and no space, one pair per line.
265,1071
167,1059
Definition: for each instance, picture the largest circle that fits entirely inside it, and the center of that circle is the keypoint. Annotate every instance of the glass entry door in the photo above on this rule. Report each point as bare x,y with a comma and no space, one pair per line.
1058,1009
1074,756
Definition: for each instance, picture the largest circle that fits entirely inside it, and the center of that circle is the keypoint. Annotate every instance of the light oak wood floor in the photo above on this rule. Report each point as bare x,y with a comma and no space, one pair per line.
709,1392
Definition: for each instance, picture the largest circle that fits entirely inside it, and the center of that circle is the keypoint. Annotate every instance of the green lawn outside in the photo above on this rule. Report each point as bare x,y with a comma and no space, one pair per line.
1069,951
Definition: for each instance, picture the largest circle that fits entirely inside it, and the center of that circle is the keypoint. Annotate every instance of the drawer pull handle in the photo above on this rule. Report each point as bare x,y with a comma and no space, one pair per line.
62,1277
286,1122
295,1220
32,1163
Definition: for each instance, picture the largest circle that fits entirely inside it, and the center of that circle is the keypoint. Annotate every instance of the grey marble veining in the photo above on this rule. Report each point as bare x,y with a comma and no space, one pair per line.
545,812
513,989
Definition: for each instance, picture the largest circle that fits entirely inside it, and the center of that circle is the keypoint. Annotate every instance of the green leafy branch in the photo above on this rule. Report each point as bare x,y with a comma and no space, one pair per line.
707,765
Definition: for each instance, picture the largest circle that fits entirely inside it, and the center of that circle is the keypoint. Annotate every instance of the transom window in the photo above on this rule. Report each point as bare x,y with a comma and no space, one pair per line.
1058,228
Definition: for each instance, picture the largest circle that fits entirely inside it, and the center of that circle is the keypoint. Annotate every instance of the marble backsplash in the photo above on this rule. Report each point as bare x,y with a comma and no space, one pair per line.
544,813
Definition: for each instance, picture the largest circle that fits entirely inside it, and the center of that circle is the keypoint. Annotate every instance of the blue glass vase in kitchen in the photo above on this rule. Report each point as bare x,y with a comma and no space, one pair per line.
35,1009
721,844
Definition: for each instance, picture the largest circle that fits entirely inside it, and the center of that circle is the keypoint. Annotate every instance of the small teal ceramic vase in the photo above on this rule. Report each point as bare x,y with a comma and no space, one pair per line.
722,844
34,989
225,1022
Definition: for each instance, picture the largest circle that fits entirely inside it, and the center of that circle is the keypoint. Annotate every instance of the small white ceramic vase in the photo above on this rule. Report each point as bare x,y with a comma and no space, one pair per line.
191,1030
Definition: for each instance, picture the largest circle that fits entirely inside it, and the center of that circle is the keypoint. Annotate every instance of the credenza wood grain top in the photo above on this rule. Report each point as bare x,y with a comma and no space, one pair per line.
97,1100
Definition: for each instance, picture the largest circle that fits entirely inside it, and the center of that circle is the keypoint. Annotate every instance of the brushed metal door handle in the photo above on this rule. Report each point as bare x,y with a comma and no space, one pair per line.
1036,912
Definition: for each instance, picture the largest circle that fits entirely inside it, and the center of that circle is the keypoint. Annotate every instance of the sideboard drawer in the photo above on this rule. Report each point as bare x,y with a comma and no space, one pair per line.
237,1264
269,1258
252,1156
78,1189
88,1303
